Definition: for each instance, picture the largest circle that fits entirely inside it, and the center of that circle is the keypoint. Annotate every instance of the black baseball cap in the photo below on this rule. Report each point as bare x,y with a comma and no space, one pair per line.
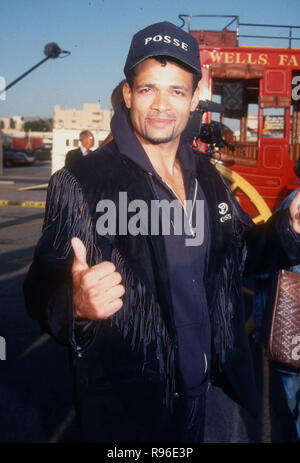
164,39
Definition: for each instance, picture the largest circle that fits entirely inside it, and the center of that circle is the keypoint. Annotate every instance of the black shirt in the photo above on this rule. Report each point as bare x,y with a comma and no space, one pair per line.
186,266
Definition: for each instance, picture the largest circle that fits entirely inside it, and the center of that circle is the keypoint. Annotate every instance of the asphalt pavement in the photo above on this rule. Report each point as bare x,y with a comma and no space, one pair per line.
35,387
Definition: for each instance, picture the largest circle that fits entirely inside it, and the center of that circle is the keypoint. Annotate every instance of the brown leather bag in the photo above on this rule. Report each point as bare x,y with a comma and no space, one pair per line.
284,337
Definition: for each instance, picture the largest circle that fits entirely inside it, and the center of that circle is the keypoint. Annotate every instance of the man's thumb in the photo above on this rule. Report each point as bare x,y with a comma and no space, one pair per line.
79,249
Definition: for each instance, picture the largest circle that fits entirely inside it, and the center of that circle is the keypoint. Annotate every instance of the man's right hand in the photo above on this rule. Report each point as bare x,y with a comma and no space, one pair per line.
97,290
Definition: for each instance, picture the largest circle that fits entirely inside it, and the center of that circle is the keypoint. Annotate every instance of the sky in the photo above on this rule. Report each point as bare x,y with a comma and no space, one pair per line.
98,35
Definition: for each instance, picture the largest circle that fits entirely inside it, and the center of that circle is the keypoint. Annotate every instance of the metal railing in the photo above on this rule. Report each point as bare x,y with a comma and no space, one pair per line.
238,25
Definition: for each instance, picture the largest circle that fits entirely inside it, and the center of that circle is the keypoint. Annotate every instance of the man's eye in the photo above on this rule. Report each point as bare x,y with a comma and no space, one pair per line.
178,92
145,91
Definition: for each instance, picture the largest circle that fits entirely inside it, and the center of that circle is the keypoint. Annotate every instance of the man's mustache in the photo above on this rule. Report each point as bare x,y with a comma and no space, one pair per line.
162,116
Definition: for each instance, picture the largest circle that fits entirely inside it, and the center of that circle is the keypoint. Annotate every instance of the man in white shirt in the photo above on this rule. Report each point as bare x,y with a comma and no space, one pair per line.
87,142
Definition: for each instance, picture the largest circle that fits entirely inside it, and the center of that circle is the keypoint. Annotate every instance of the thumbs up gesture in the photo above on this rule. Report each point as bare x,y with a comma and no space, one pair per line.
97,290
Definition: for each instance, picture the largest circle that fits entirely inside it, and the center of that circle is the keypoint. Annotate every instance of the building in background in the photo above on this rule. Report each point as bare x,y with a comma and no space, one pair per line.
90,117
14,123
67,125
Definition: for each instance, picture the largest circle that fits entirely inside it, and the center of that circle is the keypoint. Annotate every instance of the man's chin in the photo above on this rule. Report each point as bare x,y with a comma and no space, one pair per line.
159,141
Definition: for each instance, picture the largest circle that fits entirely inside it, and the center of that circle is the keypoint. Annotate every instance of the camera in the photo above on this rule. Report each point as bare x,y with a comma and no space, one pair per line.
211,134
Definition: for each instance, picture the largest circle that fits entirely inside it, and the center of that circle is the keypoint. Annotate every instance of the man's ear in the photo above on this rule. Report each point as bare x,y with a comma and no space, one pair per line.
127,95
195,99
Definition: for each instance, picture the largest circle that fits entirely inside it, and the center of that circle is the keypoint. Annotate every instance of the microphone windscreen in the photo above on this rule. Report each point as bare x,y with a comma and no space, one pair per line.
52,50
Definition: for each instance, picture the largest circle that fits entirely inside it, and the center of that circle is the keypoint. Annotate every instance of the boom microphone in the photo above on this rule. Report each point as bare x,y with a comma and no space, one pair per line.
52,50
206,106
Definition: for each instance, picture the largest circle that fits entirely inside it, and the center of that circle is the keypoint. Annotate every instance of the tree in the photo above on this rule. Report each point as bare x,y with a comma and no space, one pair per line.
50,124
38,125
2,125
12,124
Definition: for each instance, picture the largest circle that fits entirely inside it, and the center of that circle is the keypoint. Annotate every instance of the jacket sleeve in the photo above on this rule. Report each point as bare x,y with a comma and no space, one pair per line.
267,247
272,245
68,160
48,284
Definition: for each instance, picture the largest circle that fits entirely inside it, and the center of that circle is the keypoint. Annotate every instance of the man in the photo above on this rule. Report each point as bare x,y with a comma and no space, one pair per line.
151,316
117,95
87,142
116,98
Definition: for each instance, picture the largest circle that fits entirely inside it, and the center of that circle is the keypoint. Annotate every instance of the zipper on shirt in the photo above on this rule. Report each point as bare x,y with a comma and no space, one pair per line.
193,205
189,218
175,335
205,360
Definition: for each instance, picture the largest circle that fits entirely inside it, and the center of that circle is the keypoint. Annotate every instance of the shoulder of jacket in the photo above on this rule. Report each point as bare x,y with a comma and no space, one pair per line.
104,153
104,162
205,167
75,150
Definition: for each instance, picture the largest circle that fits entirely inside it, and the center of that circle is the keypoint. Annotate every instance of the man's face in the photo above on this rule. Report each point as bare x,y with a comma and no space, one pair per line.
88,141
160,101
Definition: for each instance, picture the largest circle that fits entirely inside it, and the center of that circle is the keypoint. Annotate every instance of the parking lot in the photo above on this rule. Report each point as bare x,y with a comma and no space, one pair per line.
35,387
35,399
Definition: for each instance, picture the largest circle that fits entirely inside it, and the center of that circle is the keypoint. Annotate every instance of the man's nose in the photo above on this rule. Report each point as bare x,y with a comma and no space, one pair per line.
161,101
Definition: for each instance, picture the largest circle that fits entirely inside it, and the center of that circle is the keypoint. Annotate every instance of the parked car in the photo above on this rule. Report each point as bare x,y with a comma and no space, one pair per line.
12,158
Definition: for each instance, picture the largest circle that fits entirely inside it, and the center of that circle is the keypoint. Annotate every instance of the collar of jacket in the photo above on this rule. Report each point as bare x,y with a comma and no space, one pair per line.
123,163
129,145
220,266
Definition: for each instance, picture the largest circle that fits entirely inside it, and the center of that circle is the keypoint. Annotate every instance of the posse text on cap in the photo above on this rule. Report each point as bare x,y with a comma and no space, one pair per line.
163,39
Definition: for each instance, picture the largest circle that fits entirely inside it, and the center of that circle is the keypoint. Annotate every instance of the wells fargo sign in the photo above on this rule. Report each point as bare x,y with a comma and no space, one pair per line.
241,57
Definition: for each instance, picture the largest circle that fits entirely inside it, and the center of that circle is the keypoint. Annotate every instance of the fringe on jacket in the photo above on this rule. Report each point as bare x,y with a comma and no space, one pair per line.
140,321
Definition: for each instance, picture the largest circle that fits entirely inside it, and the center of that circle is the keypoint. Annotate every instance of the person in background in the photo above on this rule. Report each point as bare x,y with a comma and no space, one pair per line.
87,142
290,379
116,99
117,95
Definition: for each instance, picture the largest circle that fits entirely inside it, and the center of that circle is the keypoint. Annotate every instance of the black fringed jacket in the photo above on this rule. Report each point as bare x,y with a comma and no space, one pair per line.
130,357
